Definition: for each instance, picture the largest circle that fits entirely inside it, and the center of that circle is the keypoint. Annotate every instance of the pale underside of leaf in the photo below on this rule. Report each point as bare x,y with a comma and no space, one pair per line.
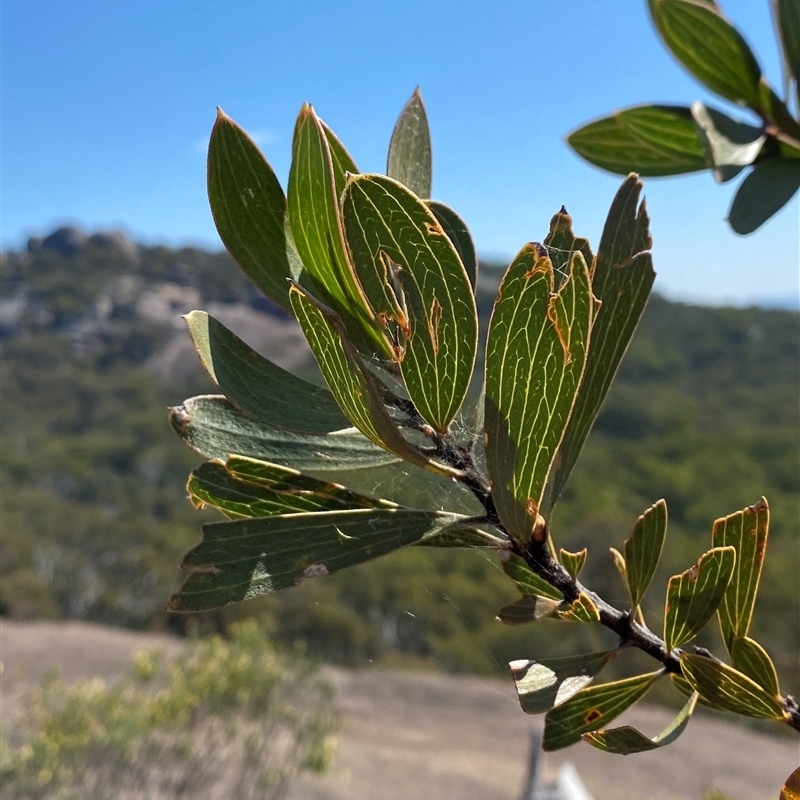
215,428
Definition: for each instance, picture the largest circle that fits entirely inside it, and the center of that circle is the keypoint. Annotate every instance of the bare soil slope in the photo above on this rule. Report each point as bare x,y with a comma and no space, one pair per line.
439,737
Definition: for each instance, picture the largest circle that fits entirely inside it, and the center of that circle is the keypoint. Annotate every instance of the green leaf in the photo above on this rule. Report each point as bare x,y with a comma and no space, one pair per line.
787,19
416,285
529,608
643,550
561,242
351,383
591,709
248,206
467,536
686,689
215,428
458,233
622,278
791,788
777,112
535,356
766,190
542,685
747,531
573,562
244,487
651,140
316,179
262,389
528,582
583,609
709,47
730,145
410,160
693,596
627,740
751,659
246,558
729,689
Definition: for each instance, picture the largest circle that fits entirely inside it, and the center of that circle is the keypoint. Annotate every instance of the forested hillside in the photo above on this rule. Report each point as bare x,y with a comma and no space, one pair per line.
94,519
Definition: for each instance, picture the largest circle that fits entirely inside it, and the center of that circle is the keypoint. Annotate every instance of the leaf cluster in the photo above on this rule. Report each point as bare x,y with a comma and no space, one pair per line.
384,293
672,140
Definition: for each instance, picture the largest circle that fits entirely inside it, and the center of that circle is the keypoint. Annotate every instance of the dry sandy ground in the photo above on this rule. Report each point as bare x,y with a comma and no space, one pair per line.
439,737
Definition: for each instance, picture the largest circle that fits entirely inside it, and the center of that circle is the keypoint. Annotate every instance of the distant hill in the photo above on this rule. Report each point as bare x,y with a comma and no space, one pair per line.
704,413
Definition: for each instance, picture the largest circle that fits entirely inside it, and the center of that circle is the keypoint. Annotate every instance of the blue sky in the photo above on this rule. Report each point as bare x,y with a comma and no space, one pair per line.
107,107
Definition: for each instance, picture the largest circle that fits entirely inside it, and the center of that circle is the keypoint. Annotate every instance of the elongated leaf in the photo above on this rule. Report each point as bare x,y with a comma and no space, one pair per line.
215,428
627,740
416,284
766,190
693,596
730,145
244,487
246,558
410,160
643,550
529,608
747,531
248,206
458,233
729,689
467,536
535,356
316,179
542,685
528,582
750,658
622,279
561,242
573,562
686,689
264,390
583,609
777,112
709,47
791,788
650,140
353,386
590,709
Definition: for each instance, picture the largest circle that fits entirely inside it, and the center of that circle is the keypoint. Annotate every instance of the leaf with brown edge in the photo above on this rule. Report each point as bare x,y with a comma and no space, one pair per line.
747,531
643,550
527,581
536,350
542,685
416,285
529,608
573,562
693,596
627,739
750,658
591,709
728,688
410,160
351,383
791,789
245,487
561,242
316,179
622,278
582,609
